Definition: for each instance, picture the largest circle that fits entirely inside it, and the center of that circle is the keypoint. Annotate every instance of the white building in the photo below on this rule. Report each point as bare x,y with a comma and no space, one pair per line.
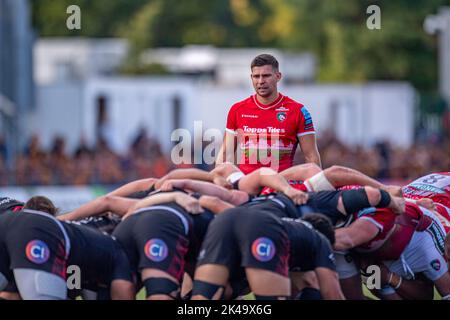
68,59
359,114
230,67
75,83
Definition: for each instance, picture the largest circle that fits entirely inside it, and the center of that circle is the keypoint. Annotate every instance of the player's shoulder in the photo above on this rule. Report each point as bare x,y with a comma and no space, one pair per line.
296,105
241,104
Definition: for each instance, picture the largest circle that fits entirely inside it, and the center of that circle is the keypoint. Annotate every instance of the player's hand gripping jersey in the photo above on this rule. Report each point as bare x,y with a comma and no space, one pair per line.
267,134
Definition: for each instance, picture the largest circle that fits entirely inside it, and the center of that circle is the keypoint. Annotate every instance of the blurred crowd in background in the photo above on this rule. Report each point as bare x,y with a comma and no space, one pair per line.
101,165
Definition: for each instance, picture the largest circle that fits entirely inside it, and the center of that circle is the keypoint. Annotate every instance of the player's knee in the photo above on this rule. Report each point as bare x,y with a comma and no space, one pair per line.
161,289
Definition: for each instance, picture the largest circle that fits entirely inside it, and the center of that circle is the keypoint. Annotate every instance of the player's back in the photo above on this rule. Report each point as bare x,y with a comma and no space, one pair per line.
435,186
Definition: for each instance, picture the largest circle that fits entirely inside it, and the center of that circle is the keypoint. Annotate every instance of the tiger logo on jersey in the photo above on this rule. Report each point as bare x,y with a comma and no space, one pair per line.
281,116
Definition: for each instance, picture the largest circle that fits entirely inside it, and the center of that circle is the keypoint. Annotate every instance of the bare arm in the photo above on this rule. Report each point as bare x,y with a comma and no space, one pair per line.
419,288
118,205
308,146
189,203
214,204
340,176
228,149
301,172
329,284
132,187
266,177
263,177
358,233
190,173
225,169
205,188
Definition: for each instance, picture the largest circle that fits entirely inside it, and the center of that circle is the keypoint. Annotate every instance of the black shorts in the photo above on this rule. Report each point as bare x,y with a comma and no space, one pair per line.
249,239
154,239
5,271
109,264
34,241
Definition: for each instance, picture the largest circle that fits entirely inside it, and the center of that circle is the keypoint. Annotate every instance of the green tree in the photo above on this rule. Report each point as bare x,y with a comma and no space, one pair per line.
335,31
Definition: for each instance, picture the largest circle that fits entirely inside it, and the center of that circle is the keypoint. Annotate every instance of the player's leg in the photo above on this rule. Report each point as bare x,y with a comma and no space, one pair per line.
160,285
162,243
210,281
265,248
218,254
268,285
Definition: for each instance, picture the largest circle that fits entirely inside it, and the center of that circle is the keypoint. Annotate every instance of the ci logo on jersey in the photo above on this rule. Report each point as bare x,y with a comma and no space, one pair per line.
263,249
281,116
37,251
436,264
156,250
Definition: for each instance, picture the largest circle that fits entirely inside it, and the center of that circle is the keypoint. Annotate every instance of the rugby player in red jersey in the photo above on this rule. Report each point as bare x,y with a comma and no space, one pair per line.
264,129
435,187
407,245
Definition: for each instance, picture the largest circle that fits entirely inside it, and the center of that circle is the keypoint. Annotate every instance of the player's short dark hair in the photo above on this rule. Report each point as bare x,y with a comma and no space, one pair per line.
41,203
265,60
322,224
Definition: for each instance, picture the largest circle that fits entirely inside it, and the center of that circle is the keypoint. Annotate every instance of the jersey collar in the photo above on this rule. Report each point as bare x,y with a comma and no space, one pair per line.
268,106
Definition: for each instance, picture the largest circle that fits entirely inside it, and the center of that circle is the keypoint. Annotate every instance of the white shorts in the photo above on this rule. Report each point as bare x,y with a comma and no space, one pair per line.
345,266
424,253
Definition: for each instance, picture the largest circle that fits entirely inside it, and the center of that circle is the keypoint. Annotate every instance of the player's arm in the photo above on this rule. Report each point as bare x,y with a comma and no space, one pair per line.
206,188
227,152
191,173
351,201
224,170
329,284
341,176
309,148
134,186
358,233
189,203
262,177
414,289
267,177
301,172
107,203
214,204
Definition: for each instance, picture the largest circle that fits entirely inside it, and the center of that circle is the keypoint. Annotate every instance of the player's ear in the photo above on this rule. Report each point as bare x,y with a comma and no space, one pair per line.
278,75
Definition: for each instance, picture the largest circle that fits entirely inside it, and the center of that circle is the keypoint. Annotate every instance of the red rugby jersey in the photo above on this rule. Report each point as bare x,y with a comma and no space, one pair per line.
267,134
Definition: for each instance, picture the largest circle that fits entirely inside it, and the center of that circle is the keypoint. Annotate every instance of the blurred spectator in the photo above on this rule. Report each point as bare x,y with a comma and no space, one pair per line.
384,161
101,165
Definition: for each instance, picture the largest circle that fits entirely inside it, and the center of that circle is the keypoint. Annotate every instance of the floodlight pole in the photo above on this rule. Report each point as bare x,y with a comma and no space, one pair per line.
440,24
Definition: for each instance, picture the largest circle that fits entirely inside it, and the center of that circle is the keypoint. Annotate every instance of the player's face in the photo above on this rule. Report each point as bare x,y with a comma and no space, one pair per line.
265,80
